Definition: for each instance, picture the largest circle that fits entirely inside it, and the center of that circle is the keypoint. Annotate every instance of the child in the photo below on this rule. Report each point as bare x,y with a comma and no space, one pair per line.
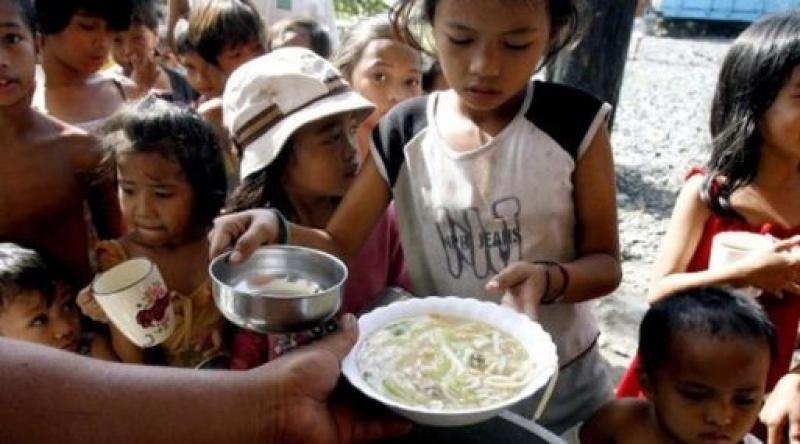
501,185
227,33
380,67
171,185
705,355
205,78
300,31
47,168
750,184
139,42
301,162
37,306
75,42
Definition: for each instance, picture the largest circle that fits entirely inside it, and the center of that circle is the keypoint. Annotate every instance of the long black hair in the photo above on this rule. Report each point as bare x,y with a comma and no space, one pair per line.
566,20
756,67
264,188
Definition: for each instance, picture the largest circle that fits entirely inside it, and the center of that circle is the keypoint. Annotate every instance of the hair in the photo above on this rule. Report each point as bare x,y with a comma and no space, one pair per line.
27,12
219,24
264,188
566,19
54,15
356,39
756,67
145,13
320,40
179,134
706,311
23,270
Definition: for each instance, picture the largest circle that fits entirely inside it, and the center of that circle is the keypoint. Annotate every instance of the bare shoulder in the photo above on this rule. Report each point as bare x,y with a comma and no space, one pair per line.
614,420
83,148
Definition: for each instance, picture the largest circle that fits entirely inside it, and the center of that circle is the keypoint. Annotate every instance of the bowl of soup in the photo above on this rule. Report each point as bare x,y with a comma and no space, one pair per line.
449,361
279,289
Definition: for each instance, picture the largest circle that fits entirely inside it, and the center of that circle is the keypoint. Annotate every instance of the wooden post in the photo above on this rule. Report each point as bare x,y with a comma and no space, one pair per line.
597,64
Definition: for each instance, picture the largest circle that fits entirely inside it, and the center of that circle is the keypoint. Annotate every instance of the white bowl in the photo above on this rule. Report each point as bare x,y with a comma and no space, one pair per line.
530,334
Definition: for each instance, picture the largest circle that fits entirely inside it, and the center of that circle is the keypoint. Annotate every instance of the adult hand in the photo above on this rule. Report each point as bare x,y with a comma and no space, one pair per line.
245,231
782,409
303,411
522,285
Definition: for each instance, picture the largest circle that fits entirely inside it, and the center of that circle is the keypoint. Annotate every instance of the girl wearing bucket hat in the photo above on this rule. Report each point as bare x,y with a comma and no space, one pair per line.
293,118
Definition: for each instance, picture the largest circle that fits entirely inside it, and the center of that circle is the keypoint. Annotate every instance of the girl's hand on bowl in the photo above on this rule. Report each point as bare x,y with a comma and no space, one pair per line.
89,306
522,285
244,231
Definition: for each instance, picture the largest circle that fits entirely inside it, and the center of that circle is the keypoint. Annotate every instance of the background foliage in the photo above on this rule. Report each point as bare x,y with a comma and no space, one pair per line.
356,8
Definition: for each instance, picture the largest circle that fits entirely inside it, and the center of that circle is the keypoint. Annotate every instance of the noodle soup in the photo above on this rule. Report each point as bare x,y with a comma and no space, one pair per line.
444,363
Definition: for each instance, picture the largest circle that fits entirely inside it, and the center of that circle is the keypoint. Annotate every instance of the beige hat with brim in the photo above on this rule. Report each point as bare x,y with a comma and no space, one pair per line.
268,99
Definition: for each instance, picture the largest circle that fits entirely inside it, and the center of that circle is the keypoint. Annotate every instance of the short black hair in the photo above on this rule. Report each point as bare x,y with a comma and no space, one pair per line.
178,133
318,37
145,13
706,311
27,12
23,270
54,15
219,24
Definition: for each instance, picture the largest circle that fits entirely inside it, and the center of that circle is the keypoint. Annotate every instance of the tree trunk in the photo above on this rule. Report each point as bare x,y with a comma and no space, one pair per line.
597,64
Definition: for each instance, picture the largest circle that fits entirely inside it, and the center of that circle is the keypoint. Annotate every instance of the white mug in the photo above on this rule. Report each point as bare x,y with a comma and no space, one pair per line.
134,297
732,246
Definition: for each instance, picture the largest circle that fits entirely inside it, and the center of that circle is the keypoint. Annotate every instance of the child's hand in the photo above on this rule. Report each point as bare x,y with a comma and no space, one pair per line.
244,231
782,410
776,271
522,285
90,307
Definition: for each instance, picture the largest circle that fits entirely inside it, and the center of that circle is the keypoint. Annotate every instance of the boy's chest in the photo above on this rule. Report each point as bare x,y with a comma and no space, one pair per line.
37,191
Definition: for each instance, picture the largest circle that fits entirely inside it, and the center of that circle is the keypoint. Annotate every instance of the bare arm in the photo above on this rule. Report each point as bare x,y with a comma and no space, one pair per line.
351,225
101,189
47,392
596,271
177,9
771,271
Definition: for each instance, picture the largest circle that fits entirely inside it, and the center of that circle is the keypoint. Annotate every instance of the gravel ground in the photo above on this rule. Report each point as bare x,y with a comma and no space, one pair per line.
660,131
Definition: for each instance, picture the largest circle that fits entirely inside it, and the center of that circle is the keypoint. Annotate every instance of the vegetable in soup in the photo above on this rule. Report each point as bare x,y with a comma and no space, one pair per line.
444,363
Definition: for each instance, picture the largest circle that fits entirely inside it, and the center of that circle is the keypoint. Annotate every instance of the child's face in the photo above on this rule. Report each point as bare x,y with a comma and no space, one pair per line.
780,126
118,52
17,56
387,73
710,390
138,45
233,57
205,78
83,45
324,161
28,318
489,49
155,197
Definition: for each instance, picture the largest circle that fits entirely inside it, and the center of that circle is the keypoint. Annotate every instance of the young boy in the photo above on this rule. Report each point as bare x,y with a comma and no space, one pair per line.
227,33
37,306
47,168
705,355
